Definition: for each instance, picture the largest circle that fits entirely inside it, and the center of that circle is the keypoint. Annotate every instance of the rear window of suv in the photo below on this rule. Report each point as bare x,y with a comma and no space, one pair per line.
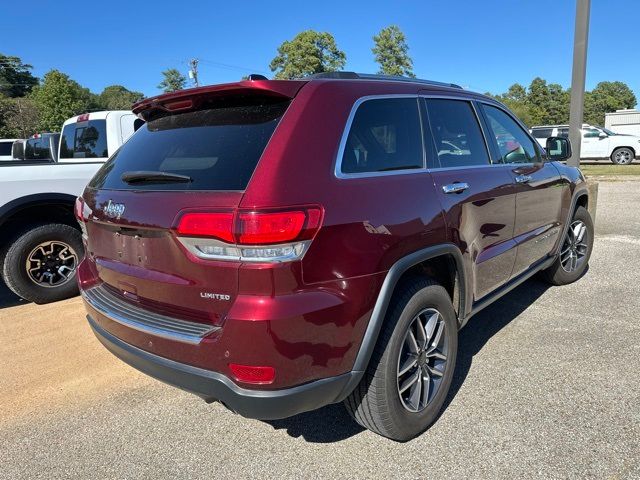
218,148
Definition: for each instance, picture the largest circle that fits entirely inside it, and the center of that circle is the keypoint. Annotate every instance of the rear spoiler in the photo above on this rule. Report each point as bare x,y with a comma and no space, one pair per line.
190,99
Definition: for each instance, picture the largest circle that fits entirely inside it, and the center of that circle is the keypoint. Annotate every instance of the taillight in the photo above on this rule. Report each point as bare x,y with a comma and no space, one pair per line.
217,225
79,210
259,236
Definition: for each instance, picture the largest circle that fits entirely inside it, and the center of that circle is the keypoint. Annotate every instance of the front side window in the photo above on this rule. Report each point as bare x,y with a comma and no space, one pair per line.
590,133
384,136
86,139
514,145
456,133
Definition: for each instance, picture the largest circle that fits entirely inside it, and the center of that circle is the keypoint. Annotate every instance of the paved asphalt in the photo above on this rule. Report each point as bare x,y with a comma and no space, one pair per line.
547,386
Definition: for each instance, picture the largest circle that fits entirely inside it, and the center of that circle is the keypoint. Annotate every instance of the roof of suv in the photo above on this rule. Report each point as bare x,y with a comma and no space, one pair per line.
187,99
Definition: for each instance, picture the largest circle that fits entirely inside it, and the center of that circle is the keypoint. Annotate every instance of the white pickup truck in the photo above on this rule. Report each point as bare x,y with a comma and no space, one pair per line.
597,143
40,241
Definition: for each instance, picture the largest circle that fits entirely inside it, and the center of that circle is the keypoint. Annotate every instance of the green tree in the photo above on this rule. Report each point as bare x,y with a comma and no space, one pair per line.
607,97
58,98
309,52
391,52
516,99
173,80
19,117
15,77
117,97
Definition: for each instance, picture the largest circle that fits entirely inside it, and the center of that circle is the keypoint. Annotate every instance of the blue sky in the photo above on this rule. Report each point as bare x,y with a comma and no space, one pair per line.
482,45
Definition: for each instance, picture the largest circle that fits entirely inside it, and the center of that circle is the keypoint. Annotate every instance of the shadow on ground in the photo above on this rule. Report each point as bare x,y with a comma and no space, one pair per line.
332,423
7,297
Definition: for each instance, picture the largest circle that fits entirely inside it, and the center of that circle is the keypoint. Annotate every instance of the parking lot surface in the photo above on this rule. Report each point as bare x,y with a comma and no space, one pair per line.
547,385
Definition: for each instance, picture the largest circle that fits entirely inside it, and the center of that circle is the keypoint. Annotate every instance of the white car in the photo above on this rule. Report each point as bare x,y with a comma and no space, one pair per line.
597,143
6,145
40,240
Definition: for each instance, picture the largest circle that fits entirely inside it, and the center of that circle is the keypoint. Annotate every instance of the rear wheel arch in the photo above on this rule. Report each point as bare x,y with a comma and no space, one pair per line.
421,262
42,208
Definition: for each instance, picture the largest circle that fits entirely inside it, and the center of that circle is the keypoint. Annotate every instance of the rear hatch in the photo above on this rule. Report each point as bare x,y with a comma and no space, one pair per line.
198,157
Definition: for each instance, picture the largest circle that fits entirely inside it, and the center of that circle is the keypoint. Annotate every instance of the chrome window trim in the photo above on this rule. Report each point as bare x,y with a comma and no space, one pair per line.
337,170
472,99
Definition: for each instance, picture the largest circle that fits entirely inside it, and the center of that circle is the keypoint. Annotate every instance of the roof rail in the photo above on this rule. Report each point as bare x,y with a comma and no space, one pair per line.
369,76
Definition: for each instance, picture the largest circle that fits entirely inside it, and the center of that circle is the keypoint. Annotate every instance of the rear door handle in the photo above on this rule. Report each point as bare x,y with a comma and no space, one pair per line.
456,187
523,178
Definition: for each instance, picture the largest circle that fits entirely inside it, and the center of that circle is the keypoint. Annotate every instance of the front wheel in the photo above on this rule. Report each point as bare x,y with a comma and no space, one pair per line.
410,372
575,251
622,156
40,265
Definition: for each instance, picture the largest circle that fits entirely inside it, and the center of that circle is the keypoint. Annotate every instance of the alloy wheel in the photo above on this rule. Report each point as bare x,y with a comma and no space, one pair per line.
422,360
51,264
574,248
623,157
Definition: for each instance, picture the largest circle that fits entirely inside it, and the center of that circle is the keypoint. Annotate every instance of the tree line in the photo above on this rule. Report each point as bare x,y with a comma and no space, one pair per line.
29,104
543,103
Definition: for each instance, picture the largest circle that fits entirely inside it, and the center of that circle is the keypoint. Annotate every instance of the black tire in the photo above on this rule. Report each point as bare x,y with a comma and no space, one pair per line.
622,156
376,402
557,274
14,265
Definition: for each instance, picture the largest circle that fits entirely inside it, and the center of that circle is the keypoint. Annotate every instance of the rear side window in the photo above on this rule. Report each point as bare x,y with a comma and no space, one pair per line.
563,132
384,136
542,132
37,149
84,140
456,133
218,148
5,148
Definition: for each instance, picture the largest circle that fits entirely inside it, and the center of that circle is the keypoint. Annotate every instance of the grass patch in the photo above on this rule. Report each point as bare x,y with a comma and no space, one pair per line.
610,169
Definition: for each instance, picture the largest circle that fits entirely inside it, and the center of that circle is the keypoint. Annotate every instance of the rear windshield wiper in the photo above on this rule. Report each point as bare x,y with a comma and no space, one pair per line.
154,177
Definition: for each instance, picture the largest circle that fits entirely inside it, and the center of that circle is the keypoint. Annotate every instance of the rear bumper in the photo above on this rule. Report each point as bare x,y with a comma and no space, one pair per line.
213,386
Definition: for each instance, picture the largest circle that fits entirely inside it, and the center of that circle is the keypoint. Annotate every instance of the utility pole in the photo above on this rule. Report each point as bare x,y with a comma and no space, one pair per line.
193,71
576,110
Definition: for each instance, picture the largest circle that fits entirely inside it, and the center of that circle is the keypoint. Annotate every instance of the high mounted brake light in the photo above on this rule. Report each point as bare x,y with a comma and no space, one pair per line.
246,235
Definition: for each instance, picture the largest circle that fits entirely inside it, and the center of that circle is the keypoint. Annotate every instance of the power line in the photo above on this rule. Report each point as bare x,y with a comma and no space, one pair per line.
232,67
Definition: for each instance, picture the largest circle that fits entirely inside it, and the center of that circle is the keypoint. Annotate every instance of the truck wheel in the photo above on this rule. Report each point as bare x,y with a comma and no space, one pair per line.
575,251
410,372
40,265
622,156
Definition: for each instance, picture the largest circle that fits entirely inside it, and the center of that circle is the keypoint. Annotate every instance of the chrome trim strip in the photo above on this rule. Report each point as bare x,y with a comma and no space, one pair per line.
142,320
471,98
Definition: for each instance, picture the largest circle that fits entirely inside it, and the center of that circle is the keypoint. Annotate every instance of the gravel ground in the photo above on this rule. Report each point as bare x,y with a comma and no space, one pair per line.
547,385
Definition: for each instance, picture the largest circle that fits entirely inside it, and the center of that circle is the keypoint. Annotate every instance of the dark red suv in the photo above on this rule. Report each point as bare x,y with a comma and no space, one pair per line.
282,245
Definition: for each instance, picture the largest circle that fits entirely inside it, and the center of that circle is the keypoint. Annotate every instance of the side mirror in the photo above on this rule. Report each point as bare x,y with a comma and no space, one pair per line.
602,135
558,148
